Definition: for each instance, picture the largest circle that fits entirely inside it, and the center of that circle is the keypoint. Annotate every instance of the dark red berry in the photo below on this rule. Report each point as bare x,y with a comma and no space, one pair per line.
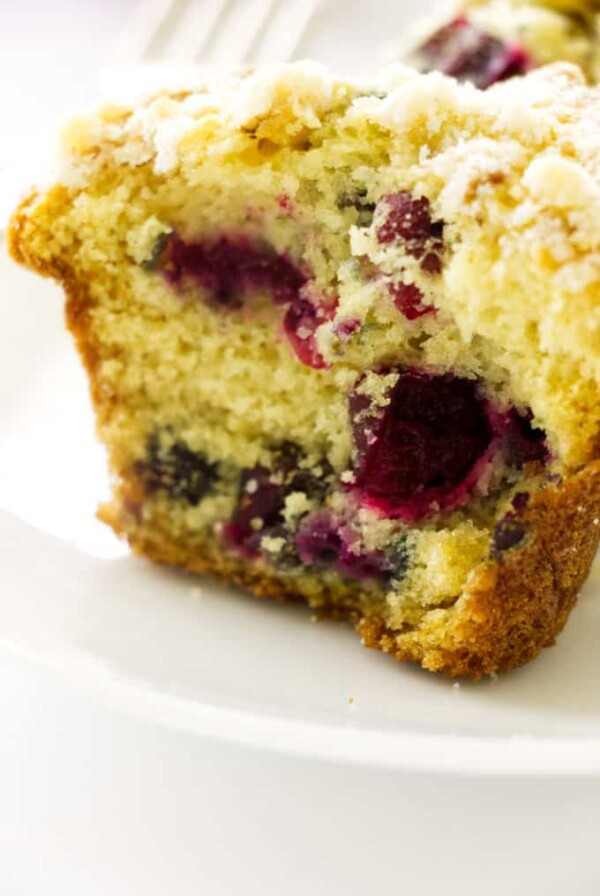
301,322
468,53
408,299
407,220
423,451
230,267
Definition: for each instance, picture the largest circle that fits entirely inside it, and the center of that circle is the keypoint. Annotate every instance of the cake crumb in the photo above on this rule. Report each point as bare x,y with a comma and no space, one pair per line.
273,545
196,592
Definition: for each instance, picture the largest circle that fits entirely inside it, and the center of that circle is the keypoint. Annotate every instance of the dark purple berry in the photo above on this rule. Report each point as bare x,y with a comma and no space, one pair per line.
323,541
468,53
177,471
262,495
509,532
259,508
523,442
319,541
420,453
230,267
521,500
407,221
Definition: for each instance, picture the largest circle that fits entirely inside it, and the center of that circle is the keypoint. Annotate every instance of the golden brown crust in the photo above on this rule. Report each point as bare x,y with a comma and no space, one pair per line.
19,236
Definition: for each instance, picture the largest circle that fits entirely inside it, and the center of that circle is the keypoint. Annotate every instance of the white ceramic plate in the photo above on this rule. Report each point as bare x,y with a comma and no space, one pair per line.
195,655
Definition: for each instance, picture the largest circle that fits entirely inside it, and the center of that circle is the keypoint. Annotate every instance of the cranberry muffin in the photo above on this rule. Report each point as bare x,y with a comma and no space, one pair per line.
343,343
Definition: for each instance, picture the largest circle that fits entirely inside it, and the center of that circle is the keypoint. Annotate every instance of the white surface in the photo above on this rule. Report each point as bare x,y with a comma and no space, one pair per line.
98,801
102,805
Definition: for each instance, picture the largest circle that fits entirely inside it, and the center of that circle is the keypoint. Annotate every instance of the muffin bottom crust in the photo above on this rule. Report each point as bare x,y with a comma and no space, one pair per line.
513,607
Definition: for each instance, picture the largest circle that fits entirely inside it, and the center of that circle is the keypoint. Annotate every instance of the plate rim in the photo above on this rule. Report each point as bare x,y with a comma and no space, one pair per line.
516,756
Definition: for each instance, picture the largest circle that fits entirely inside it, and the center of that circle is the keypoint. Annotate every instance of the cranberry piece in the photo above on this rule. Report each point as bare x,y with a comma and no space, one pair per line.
319,542
365,421
423,451
323,541
178,471
259,499
523,442
408,299
301,322
262,495
408,220
468,53
371,565
229,266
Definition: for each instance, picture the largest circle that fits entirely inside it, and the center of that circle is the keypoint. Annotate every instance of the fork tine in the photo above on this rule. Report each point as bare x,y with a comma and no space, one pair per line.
140,31
241,30
190,39
228,32
286,31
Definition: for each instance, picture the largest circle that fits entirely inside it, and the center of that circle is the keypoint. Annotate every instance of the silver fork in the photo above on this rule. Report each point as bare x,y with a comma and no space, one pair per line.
227,32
